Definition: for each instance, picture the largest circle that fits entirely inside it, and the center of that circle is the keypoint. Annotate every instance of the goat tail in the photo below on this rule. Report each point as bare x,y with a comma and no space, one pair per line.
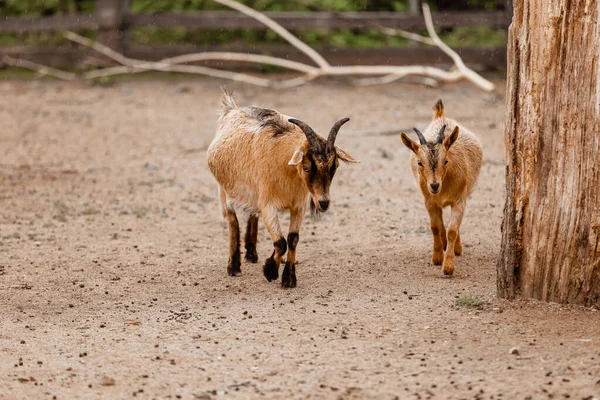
438,109
227,101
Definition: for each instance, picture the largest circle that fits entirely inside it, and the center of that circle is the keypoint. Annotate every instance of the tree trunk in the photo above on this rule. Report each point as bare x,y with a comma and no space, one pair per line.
551,228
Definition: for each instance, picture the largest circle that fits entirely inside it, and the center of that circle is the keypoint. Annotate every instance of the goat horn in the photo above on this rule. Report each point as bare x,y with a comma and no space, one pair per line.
313,142
422,139
442,134
333,133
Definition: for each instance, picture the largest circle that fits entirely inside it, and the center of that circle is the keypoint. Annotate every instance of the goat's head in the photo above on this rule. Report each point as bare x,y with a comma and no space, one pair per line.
317,162
432,157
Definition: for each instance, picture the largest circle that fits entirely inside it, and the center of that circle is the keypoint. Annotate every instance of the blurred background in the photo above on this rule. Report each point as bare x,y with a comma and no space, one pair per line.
343,31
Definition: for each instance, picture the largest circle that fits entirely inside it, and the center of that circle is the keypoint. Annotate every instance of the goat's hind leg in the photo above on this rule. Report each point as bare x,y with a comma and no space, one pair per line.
458,210
251,238
234,267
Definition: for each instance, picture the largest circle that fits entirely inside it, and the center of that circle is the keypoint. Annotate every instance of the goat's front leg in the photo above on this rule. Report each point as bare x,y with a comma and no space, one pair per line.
458,210
288,278
271,220
438,231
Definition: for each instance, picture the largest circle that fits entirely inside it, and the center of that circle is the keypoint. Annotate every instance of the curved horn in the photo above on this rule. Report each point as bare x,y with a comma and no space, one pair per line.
441,134
313,142
422,139
333,133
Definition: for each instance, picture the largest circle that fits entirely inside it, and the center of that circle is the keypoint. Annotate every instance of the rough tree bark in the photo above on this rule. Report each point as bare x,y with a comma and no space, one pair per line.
551,228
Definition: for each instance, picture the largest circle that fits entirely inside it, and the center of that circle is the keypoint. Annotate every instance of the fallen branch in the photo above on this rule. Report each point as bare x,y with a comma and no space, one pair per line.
423,74
460,65
382,80
280,30
39,68
415,37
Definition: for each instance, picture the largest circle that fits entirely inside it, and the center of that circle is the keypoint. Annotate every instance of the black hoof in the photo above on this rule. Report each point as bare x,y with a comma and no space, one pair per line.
288,278
271,269
234,269
251,254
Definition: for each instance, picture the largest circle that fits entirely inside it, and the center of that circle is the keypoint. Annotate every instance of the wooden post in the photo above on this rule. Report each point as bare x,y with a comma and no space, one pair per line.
508,7
550,246
108,13
413,7
125,32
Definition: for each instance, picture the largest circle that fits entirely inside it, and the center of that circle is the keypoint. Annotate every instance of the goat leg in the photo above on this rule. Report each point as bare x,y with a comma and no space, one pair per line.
271,267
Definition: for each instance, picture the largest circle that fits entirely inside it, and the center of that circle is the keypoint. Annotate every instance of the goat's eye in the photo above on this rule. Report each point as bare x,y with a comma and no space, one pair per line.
420,163
446,162
306,168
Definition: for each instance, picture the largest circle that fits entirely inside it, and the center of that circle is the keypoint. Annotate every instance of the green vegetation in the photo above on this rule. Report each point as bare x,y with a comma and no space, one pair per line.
141,212
49,7
470,302
90,211
344,38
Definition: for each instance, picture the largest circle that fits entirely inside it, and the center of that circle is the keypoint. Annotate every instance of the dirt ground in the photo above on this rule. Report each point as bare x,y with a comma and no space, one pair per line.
113,258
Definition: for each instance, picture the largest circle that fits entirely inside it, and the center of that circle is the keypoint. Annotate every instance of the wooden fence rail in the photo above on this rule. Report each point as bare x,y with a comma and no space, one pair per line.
113,22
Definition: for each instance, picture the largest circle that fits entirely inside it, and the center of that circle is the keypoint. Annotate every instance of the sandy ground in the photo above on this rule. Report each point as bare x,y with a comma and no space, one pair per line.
113,258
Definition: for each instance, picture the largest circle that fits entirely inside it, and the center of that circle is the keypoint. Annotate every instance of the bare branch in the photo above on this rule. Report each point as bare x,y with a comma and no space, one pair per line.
460,65
107,51
433,72
415,37
42,69
131,65
280,30
187,58
382,80
426,74
253,58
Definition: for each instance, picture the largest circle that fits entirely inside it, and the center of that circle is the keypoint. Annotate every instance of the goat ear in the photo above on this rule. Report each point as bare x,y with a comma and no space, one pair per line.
296,158
449,141
412,146
345,157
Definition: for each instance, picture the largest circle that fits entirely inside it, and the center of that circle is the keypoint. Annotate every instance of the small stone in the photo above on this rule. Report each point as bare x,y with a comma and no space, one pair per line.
514,351
107,381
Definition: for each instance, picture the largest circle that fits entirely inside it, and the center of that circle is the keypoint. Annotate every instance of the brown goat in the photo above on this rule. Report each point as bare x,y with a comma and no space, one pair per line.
446,167
266,162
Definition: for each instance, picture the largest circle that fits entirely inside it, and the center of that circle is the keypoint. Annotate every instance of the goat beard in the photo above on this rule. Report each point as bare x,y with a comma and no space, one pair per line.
314,212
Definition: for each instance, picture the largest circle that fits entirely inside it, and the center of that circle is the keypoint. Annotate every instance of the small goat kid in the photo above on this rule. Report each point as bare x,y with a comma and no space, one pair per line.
266,162
446,167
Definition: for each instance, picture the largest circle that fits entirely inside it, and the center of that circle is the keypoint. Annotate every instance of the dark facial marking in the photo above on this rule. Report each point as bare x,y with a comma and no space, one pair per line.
313,169
333,168
433,152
